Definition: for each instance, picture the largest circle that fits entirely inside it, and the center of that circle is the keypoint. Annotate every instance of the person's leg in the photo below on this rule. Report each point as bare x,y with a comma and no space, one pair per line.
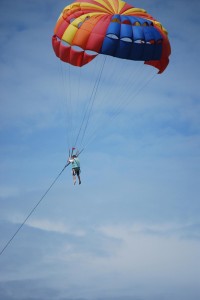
79,179
74,176
78,175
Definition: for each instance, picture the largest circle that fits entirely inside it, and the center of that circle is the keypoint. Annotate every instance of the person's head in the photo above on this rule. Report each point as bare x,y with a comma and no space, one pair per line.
74,155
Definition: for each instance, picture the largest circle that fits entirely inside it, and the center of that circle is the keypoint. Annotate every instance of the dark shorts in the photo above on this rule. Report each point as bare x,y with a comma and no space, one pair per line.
76,171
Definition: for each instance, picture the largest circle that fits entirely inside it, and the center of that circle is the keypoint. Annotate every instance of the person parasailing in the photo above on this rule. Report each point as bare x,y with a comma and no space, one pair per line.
74,160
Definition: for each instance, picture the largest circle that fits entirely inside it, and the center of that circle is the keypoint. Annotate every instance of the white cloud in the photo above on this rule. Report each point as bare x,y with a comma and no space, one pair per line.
55,226
47,225
134,256
165,230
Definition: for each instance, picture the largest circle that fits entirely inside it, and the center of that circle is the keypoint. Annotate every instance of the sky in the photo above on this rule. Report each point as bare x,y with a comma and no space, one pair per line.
131,230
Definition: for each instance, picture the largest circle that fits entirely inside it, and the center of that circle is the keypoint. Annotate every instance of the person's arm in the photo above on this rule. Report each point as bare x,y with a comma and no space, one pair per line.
70,160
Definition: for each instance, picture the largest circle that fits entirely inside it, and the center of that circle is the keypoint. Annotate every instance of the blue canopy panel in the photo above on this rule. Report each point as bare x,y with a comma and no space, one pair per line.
132,38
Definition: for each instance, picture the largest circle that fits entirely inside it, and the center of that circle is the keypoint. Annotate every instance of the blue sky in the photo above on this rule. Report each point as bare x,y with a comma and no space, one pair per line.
131,231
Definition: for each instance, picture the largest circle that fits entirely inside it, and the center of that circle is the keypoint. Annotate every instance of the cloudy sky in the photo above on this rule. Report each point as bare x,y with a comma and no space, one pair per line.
131,231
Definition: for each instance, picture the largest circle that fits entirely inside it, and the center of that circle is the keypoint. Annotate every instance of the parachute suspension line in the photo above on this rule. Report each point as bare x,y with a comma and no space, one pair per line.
32,210
66,88
94,97
133,79
75,92
110,92
88,110
85,112
114,76
70,120
72,86
64,99
131,98
126,99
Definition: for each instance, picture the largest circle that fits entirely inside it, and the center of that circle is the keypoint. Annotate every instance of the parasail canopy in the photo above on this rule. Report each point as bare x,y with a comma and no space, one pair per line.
109,27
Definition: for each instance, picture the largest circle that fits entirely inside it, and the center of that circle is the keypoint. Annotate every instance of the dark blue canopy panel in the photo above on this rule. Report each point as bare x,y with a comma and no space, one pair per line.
132,38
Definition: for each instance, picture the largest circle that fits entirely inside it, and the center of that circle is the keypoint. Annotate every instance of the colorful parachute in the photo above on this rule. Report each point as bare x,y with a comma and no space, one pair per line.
110,27
116,33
